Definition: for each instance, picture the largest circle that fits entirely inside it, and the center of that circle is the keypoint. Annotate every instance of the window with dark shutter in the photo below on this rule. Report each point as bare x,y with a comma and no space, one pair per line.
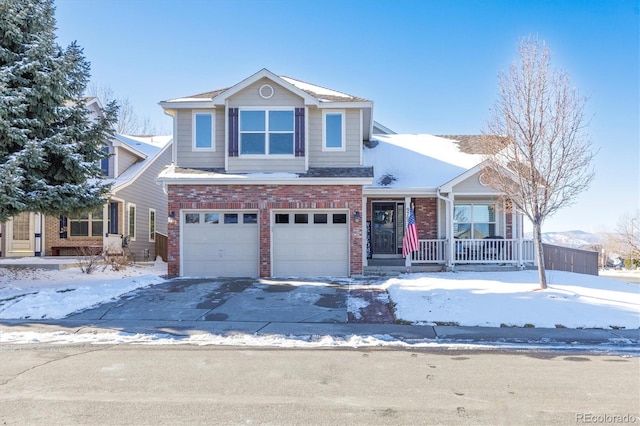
299,133
233,132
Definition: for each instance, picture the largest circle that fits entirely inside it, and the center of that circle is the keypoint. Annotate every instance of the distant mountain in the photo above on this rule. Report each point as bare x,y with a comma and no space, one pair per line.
575,239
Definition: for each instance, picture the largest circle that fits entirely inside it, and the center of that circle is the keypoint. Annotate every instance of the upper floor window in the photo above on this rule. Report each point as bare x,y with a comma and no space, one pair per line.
333,130
203,131
266,132
475,221
104,163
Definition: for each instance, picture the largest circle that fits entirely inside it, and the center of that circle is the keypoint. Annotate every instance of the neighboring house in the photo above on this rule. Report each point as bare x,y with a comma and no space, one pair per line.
137,207
277,177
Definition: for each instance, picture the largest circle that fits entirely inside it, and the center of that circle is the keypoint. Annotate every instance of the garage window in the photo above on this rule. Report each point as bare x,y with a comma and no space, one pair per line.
282,218
301,218
319,218
339,218
192,218
211,218
231,218
250,218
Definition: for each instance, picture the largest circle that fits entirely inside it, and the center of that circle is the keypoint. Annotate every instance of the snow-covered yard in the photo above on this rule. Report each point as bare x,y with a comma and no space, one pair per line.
492,299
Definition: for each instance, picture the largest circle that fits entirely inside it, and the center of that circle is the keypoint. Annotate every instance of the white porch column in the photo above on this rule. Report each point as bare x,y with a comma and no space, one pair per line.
38,237
407,206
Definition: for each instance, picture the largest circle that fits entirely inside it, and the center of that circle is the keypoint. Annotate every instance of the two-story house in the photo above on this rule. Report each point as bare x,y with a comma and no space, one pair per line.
267,180
274,176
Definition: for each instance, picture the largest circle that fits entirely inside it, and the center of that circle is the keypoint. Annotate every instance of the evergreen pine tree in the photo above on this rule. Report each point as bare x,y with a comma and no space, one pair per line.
50,146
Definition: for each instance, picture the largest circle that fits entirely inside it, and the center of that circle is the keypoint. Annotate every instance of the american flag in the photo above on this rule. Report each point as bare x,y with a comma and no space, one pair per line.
410,240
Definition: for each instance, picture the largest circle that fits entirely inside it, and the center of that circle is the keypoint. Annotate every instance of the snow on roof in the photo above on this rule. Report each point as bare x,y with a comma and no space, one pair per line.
173,172
404,161
317,90
150,146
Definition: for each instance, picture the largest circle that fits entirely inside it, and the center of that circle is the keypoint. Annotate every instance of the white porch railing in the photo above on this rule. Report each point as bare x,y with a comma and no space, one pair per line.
498,251
430,251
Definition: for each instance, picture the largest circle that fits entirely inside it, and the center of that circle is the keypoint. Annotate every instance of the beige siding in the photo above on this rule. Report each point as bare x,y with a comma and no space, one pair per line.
125,160
186,155
350,156
249,97
472,185
266,164
145,193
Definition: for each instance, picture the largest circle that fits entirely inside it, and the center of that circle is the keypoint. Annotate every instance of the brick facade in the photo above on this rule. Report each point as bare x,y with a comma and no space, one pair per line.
426,211
264,198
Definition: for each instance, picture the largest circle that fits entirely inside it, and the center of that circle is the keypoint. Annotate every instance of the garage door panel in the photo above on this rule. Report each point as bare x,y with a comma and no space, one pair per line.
310,249
220,249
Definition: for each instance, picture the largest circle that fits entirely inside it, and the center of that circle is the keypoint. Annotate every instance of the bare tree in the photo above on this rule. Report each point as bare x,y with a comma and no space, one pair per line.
128,121
628,237
546,159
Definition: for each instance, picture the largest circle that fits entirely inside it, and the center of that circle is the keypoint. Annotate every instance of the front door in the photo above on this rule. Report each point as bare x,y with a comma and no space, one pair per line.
383,228
20,235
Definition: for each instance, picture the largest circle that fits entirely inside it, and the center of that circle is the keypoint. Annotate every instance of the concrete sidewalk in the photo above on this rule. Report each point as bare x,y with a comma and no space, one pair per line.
304,309
406,333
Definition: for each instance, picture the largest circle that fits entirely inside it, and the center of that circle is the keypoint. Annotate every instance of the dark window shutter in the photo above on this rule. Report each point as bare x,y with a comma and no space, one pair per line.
233,132
63,227
299,133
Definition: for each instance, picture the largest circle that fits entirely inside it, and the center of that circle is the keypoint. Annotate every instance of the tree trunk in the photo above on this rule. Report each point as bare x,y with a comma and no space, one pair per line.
537,240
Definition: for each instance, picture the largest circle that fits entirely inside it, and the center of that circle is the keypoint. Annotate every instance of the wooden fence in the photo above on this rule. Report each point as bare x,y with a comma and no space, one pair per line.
559,258
161,246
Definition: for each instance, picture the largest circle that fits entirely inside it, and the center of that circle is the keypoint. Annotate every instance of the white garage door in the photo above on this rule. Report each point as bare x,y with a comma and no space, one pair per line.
220,244
310,243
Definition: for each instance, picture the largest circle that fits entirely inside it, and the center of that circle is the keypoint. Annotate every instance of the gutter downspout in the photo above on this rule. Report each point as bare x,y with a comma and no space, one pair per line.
448,228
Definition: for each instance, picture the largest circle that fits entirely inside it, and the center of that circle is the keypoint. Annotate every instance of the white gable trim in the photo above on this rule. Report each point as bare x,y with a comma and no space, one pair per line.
263,73
123,185
448,187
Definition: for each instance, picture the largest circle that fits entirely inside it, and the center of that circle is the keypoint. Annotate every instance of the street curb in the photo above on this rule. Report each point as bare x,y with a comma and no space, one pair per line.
449,334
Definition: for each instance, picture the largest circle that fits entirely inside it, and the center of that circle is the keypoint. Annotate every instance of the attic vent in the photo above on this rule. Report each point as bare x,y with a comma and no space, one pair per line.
266,91
387,180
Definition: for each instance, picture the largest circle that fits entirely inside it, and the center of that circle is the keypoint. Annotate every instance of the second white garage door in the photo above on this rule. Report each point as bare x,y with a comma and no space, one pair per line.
220,244
310,244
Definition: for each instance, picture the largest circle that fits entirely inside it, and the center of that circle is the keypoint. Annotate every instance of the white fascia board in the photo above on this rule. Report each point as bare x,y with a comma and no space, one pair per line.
123,185
188,104
448,187
330,105
478,194
398,192
263,181
264,73
119,143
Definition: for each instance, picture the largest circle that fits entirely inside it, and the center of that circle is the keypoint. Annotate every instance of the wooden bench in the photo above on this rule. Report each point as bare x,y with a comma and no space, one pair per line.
77,250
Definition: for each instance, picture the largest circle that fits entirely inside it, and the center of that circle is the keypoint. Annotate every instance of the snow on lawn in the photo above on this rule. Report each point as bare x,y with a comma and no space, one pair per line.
53,294
494,299
488,299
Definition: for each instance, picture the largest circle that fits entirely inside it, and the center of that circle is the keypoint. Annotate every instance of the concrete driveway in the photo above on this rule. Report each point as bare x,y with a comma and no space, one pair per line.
230,299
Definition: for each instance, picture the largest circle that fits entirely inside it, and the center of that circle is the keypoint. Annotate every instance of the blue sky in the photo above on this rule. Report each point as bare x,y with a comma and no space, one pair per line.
429,66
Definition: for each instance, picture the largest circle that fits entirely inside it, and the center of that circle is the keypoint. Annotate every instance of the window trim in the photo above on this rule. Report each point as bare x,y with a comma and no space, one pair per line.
132,236
343,116
152,232
472,220
194,145
89,221
267,132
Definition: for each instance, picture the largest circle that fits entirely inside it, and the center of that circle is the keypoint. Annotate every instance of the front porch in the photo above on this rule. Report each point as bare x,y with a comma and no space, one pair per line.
488,254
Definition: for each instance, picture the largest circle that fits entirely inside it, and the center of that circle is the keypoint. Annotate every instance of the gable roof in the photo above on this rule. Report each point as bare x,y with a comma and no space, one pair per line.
419,162
150,148
311,93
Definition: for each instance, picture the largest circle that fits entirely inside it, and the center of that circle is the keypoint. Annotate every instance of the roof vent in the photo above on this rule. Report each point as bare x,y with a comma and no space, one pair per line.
387,180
